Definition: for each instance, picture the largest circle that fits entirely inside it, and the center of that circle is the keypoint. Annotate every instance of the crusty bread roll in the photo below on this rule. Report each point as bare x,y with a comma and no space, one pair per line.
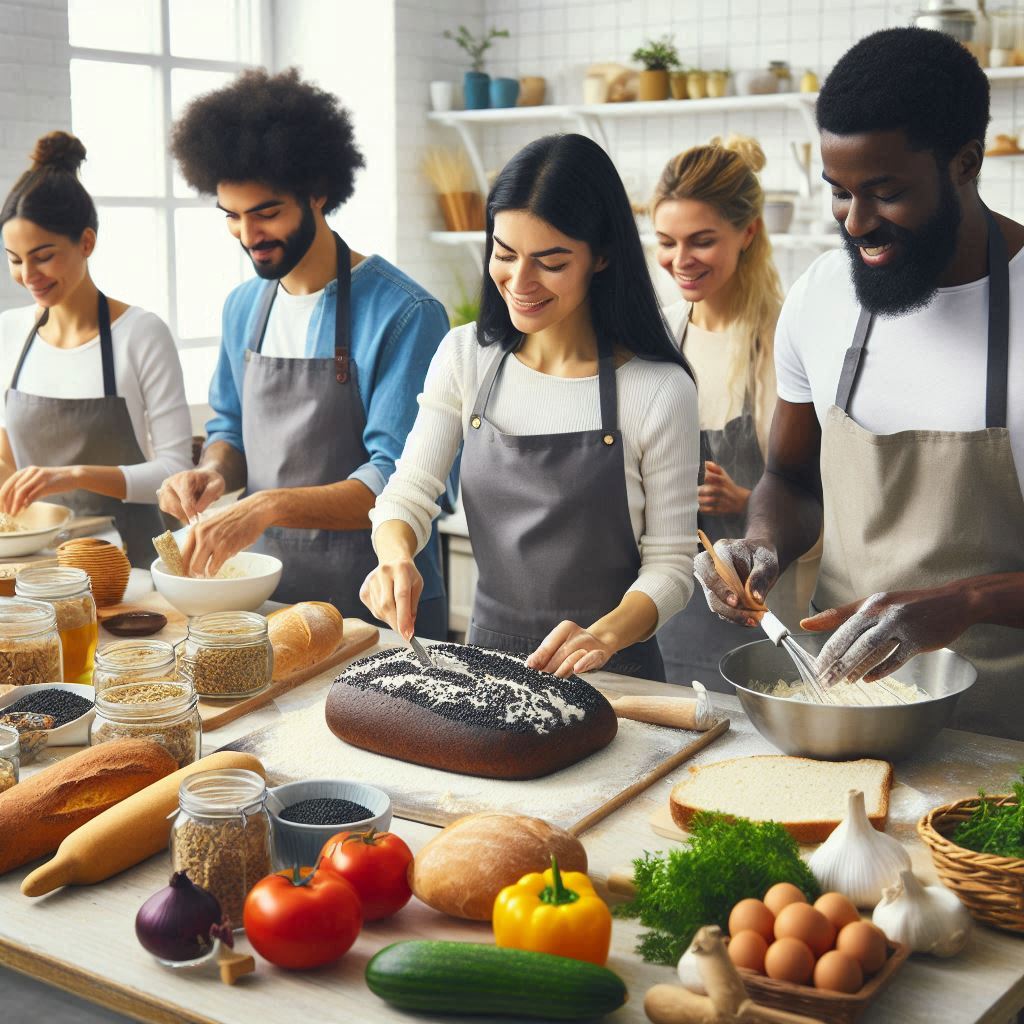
304,634
463,868
38,814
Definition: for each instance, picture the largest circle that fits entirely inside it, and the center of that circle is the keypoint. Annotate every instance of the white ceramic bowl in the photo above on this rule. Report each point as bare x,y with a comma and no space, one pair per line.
194,596
778,215
295,843
73,734
42,520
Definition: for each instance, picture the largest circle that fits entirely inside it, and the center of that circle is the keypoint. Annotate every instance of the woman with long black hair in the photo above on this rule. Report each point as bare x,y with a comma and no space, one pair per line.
578,418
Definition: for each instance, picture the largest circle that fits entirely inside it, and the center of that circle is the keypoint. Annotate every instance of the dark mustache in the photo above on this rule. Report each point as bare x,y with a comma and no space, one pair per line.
264,246
878,237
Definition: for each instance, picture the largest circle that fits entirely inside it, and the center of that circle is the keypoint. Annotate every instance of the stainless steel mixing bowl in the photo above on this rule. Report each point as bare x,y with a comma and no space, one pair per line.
836,733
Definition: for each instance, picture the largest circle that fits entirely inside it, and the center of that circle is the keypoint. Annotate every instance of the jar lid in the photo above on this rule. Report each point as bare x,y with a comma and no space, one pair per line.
51,581
222,793
227,628
20,616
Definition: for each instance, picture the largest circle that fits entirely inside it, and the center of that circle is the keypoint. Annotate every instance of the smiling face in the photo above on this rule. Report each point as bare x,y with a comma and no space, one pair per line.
543,275
50,266
899,214
698,247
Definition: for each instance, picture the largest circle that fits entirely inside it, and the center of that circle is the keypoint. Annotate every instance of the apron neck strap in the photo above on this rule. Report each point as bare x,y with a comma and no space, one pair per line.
998,335
106,347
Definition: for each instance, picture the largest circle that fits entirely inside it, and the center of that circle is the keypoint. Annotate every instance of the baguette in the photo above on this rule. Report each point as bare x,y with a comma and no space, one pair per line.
304,634
38,814
127,834
808,798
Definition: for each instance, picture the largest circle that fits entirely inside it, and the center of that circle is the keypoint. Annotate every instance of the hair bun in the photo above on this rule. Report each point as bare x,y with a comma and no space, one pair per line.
747,149
59,151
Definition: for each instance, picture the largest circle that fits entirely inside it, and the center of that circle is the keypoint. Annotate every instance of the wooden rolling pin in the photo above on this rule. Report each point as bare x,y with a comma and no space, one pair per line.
675,712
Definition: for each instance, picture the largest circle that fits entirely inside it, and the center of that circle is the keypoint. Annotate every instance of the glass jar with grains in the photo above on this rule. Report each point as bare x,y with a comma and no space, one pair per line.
10,763
221,835
227,654
164,711
29,643
133,661
69,590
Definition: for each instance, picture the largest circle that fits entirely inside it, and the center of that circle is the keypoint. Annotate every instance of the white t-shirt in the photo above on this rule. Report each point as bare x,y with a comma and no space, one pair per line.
148,377
288,326
657,416
922,371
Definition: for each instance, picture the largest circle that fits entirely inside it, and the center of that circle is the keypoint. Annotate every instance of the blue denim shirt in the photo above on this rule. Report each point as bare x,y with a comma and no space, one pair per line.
396,328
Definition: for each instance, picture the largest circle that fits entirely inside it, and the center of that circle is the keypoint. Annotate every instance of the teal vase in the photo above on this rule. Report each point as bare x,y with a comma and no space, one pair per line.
475,93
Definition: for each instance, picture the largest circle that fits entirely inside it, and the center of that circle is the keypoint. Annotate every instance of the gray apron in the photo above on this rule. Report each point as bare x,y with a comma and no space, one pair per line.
548,518
919,508
84,432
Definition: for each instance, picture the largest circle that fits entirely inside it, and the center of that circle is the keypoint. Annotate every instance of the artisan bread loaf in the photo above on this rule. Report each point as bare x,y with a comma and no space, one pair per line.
38,814
808,798
476,712
463,868
304,634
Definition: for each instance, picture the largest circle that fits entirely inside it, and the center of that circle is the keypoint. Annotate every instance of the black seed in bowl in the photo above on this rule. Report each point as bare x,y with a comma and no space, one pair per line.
325,811
63,705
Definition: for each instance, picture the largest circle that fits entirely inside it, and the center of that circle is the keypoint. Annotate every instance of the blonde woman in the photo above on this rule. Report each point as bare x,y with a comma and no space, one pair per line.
707,215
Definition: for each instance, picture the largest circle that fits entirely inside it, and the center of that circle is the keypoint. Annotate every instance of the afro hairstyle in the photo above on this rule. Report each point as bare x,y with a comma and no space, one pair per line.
275,129
914,79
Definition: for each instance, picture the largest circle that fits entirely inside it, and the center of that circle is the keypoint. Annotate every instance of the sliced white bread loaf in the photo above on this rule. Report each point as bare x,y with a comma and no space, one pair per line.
808,798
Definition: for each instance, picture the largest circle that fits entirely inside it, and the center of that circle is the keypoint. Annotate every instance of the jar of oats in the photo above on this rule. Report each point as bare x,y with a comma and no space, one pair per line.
227,654
29,643
69,590
133,661
164,711
221,835
10,757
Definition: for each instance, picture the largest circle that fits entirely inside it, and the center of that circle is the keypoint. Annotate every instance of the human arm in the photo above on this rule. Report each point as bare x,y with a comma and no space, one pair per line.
33,483
719,494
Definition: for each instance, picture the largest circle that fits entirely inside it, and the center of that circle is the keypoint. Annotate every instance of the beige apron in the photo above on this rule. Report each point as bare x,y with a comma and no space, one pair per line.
921,508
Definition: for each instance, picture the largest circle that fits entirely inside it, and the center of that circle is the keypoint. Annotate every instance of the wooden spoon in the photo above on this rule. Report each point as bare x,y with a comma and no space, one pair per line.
728,574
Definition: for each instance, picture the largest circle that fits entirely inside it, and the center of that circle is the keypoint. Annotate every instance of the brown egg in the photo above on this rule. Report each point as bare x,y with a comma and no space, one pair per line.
781,895
752,915
837,908
747,949
789,960
810,926
838,973
866,943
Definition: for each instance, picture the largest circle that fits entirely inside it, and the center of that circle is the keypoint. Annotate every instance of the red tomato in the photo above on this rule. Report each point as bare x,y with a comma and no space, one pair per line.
300,924
377,864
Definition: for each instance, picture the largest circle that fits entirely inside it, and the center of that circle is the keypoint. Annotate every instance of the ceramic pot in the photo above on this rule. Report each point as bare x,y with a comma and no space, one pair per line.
677,84
756,83
442,96
718,83
531,91
475,91
504,92
697,85
654,85
595,89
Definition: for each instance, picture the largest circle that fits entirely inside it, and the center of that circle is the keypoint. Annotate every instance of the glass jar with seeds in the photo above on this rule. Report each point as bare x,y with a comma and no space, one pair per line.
69,590
221,835
133,661
10,763
29,643
227,654
164,711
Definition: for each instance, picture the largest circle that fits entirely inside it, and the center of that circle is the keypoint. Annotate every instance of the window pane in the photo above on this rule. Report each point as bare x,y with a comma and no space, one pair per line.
209,263
132,25
211,29
186,84
197,365
129,262
115,111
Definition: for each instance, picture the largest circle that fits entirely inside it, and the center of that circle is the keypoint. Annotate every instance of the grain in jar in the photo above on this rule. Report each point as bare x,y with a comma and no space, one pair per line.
164,711
69,590
133,661
227,654
29,643
9,757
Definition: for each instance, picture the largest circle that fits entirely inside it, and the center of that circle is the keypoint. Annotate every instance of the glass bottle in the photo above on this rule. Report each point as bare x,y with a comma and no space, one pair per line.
69,590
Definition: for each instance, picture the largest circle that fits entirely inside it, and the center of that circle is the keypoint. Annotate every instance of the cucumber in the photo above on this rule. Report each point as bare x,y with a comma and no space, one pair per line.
468,977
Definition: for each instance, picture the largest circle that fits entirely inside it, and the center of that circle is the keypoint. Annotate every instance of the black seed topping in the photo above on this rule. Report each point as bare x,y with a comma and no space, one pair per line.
325,811
63,705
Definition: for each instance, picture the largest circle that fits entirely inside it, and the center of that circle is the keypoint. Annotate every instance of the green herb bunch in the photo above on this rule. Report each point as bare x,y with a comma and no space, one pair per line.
476,48
995,830
658,55
728,860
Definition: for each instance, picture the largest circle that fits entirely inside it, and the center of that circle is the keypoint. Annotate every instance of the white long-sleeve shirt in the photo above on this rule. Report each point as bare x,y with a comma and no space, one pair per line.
657,404
148,376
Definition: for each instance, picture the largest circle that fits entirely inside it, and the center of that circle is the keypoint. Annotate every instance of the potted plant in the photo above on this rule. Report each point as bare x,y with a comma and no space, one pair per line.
467,309
718,83
476,83
658,57
677,83
697,84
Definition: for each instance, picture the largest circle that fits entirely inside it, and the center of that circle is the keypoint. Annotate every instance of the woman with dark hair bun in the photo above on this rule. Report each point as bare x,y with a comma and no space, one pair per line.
95,414
578,420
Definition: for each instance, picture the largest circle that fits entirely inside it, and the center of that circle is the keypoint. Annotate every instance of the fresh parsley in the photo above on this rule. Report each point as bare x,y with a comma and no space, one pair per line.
995,830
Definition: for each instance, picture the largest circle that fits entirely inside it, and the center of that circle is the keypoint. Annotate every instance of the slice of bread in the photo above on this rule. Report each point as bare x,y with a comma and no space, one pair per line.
808,798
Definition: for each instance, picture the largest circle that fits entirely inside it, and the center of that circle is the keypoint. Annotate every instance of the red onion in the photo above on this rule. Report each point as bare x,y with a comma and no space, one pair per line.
181,921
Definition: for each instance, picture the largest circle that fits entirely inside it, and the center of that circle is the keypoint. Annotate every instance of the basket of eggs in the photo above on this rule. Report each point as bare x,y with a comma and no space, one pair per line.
822,961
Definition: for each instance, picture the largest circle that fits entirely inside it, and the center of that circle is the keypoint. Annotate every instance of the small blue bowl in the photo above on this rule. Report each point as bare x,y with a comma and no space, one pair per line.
295,843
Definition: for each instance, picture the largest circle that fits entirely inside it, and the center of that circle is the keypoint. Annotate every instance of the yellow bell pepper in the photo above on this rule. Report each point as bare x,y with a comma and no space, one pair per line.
554,913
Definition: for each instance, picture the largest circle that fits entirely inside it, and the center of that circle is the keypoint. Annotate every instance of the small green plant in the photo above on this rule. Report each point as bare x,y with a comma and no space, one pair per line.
476,48
659,54
467,309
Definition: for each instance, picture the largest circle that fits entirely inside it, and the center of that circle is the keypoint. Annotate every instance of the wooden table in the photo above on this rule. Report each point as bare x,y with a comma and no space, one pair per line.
82,939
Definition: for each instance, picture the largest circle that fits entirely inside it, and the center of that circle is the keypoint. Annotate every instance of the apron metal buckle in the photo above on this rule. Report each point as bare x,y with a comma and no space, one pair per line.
341,365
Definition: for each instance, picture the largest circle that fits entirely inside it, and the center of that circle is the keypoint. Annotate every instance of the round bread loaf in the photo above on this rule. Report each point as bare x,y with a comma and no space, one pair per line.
478,712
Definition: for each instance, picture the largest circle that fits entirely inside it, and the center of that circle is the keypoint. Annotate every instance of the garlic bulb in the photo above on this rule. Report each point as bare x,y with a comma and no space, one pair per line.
927,918
857,860
689,972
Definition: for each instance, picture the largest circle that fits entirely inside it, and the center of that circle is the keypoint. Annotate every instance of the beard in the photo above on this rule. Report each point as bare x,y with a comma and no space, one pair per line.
910,282
293,248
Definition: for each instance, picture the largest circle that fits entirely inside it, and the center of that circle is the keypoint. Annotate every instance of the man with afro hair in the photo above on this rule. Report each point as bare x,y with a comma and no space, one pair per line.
906,442
322,353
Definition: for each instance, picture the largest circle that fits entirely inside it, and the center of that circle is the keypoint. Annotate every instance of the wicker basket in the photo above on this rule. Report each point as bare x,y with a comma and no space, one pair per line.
991,887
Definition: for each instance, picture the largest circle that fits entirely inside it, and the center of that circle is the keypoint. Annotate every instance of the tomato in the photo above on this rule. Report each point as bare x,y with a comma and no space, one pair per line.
299,924
377,864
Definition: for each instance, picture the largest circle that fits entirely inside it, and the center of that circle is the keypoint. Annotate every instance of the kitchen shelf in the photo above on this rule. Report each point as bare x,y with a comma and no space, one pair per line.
1012,74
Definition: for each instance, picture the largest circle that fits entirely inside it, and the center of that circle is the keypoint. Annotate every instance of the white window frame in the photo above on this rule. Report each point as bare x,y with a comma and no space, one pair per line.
252,13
